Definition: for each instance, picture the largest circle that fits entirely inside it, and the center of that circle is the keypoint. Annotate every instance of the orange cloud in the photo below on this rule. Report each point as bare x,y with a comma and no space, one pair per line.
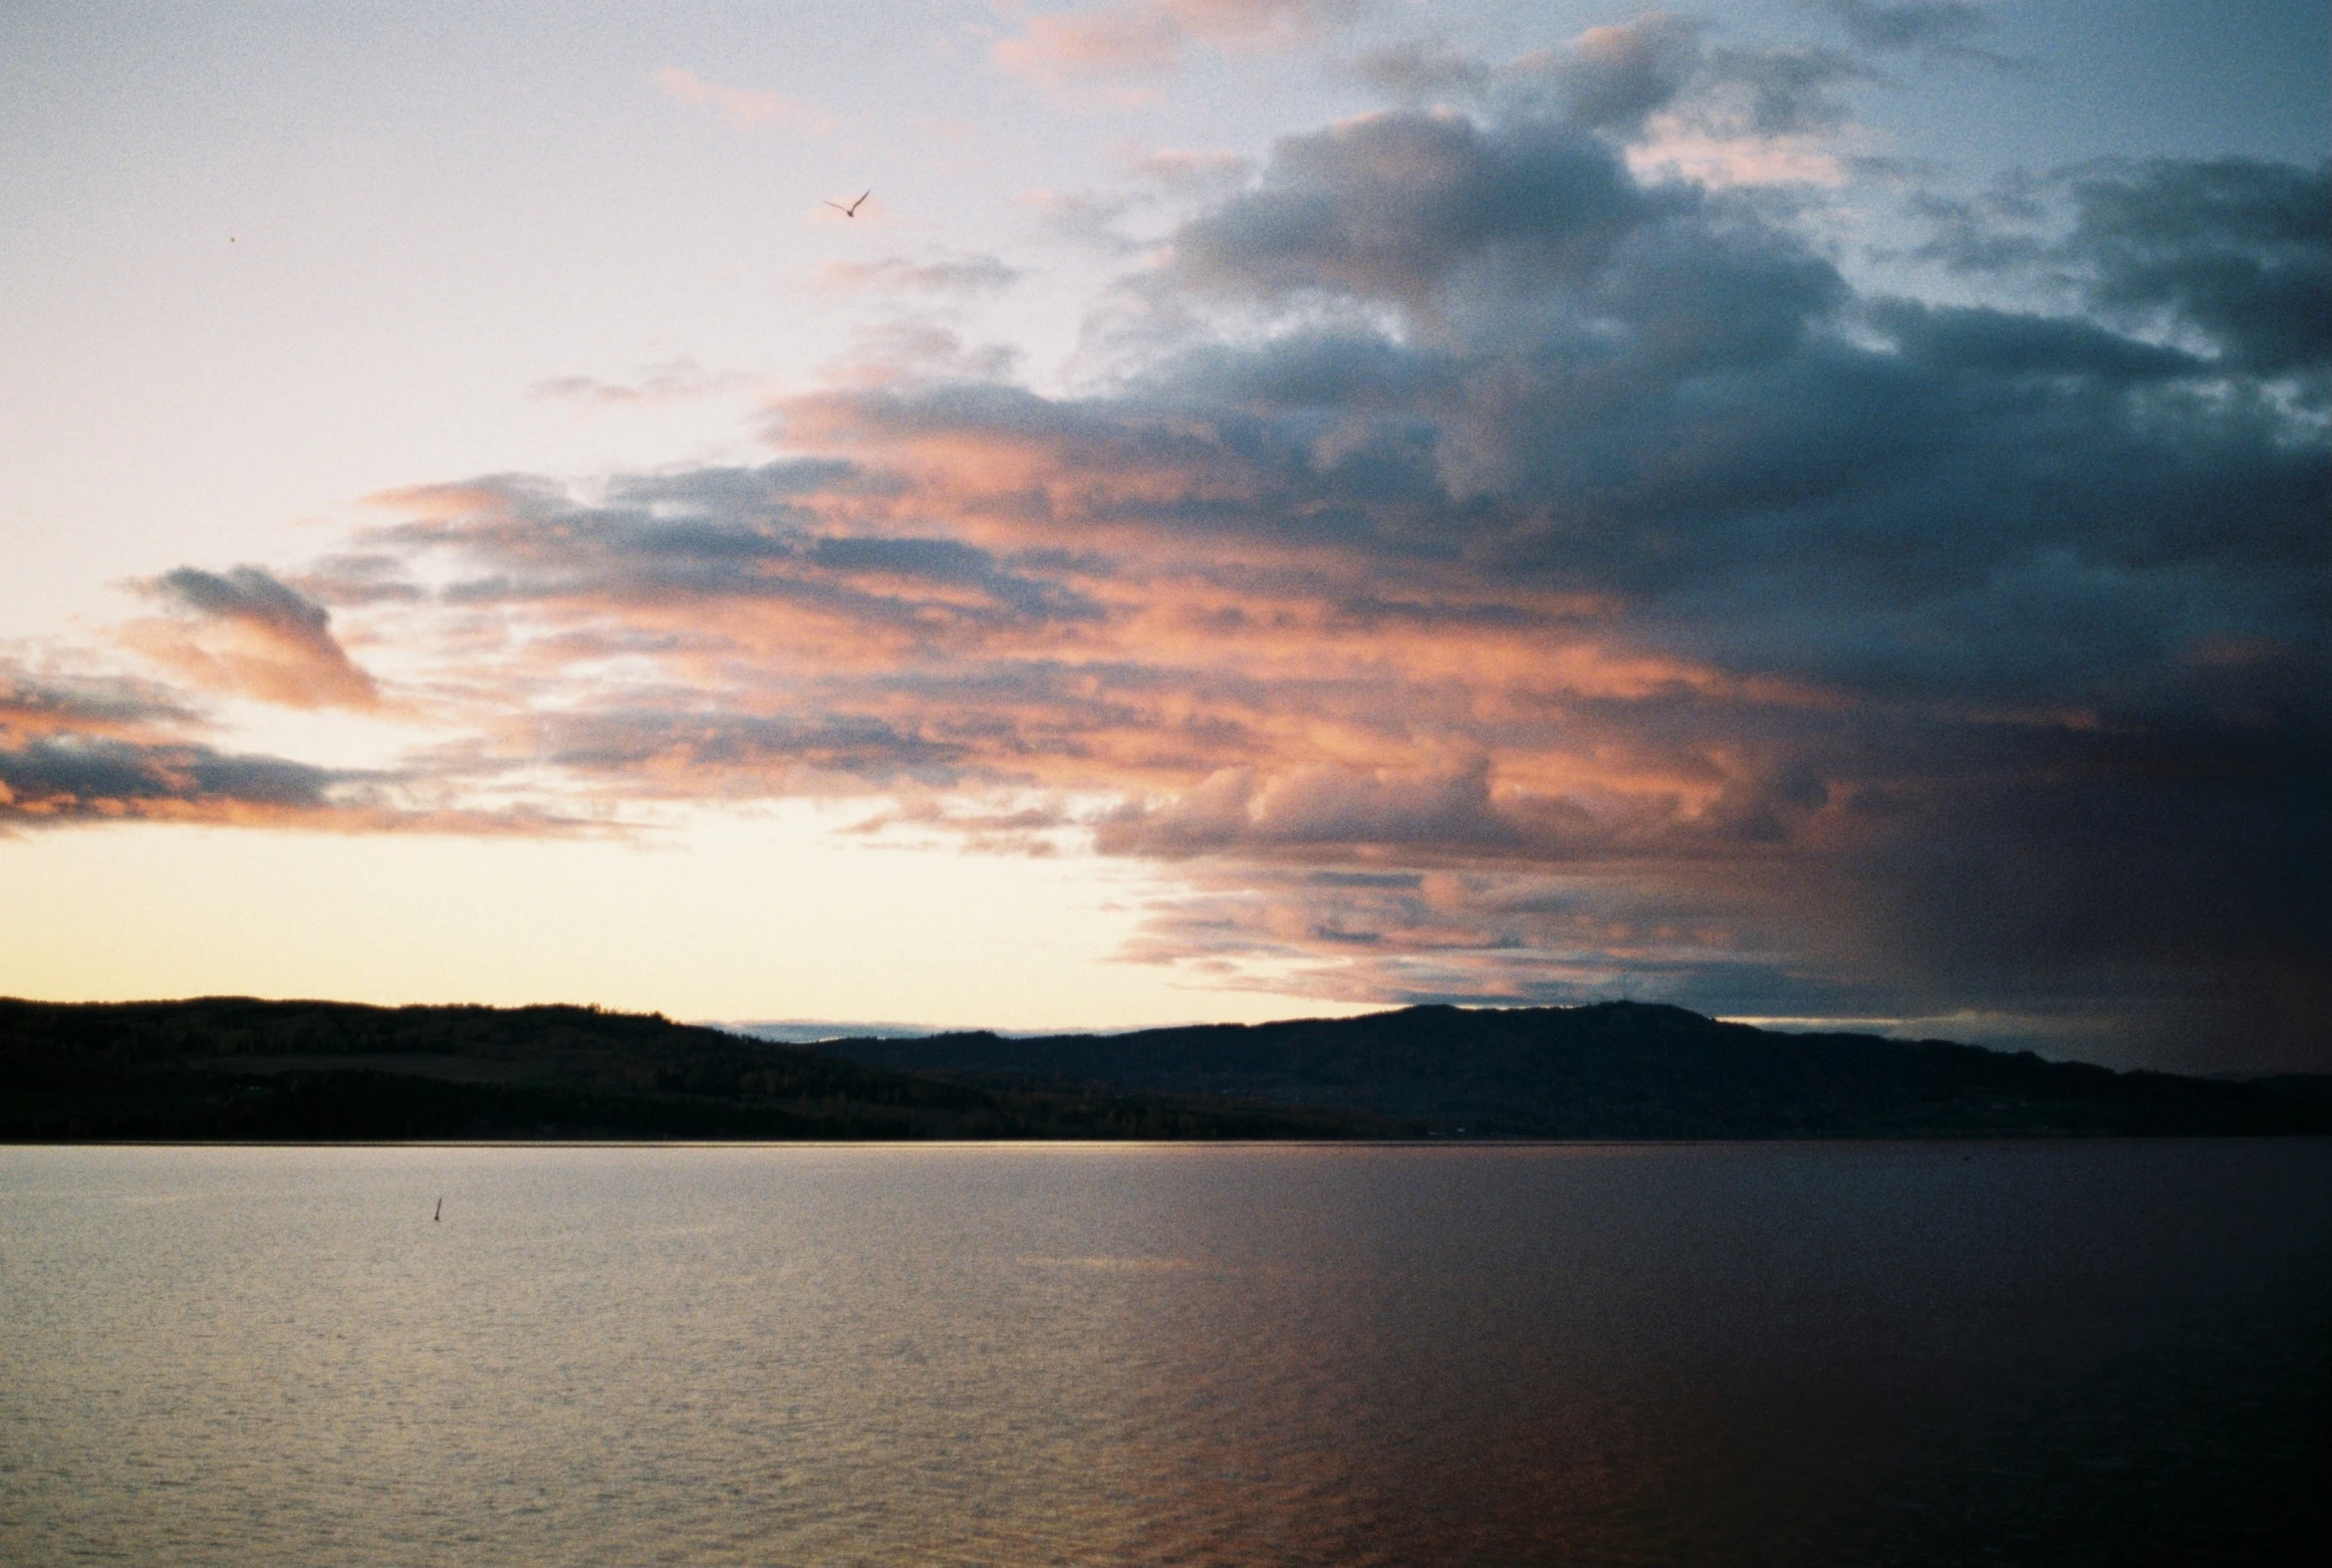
246,633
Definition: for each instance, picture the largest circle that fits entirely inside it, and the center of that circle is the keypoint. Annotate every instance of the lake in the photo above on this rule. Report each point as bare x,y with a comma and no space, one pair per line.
2093,1352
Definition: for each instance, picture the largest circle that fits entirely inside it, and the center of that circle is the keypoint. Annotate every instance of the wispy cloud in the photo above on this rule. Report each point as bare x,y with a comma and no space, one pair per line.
745,108
1181,173
949,274
678,380
1139,38
1947,28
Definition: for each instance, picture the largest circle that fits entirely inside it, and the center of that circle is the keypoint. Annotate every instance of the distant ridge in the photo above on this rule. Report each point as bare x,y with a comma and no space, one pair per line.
238,1069
816,1031
1621,1070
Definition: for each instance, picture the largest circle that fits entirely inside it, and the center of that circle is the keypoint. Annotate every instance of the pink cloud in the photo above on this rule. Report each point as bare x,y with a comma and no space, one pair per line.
745,108
1151,37
247,634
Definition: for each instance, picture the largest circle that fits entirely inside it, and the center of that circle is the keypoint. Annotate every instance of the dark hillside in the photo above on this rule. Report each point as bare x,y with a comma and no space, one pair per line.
1620,1070
236,1067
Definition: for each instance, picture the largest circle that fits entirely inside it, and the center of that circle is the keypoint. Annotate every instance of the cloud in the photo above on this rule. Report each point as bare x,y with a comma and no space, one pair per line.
245,633
58,779
1267,21
1499,572
1680,108
1614,78
1389,207
1423,70
84,749
1235,808
1934,27
676,381
1151,37
745,108
1116,41
966,274
1177,172
74,781
2234,249
1781,91
34,706
2230,257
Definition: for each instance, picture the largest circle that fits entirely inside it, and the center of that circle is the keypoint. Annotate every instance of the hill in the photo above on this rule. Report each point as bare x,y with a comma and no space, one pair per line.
234,1068
238,1069
1620,1070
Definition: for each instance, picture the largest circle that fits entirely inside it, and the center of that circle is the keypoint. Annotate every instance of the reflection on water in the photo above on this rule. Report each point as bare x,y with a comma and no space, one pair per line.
1793,1353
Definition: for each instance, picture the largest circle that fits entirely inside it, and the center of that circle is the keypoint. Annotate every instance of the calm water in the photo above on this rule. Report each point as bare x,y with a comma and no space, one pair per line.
1734,1353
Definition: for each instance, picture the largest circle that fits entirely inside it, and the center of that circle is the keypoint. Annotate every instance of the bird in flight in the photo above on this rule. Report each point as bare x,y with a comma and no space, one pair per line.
851,211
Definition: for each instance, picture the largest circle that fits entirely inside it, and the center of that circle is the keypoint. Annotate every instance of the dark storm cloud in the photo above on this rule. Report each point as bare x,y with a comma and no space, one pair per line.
2068,595
1391,207
1713,391
1528,244
1945,27
2236,249
2230,256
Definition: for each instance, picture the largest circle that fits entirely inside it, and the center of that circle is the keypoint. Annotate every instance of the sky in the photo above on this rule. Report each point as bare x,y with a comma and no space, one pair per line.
1812,511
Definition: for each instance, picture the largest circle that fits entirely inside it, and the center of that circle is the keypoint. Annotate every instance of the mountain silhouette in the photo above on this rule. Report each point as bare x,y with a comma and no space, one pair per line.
240,1069
1619,1070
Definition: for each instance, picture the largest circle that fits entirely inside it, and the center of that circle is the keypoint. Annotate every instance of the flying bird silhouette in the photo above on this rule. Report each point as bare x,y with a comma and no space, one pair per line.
851,211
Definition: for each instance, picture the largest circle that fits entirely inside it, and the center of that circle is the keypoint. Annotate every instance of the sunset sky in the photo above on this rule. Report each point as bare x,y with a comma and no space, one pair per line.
1814,511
